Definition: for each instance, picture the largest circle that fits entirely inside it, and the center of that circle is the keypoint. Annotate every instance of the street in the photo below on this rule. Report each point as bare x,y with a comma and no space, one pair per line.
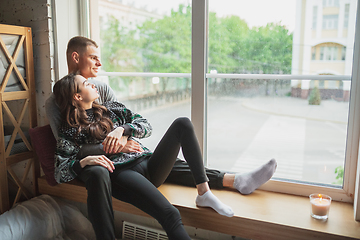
241,138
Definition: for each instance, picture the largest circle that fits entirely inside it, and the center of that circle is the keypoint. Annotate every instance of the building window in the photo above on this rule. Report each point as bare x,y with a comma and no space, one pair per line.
330,22
343,53
322,50
330,3
346,16
329,53
314,23
334,53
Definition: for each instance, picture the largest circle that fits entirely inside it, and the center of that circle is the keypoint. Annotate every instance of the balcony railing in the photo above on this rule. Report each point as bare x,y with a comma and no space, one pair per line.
233,76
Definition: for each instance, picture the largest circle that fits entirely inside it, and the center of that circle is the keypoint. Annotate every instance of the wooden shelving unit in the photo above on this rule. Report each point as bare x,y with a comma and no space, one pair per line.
18,111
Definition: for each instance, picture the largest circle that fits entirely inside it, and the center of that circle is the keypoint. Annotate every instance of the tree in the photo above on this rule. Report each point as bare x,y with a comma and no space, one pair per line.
314,98
237,30
119,48
220,46
119,52
164,45
269,49
339,171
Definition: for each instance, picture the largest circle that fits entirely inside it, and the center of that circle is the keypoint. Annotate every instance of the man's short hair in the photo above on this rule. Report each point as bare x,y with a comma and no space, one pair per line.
78,44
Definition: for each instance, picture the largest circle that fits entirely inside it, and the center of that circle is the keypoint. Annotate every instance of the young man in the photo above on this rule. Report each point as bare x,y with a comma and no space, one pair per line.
83,57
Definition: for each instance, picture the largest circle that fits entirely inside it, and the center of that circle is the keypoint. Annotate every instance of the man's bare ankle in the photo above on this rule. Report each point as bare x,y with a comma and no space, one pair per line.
228,180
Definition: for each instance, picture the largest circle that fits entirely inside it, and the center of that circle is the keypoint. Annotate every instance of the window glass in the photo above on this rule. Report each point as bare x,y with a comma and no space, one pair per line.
330,21
346,16
314,18
138,36
343,53
251,119
330,3
322,50
329,52
334,53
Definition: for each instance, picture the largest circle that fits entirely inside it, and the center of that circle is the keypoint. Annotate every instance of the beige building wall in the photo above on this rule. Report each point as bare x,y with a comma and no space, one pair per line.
312,33
333,67
329,33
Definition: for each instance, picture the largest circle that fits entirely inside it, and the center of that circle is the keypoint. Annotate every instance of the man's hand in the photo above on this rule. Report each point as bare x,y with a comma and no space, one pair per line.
98,160
115,141
132,146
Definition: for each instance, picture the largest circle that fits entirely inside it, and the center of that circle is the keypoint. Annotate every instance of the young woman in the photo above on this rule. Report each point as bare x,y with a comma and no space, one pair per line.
130,173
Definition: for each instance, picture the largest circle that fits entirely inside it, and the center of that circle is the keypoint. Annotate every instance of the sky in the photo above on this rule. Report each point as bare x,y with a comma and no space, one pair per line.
254,12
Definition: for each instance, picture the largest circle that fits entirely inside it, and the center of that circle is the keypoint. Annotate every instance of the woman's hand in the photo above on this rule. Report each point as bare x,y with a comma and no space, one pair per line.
115,141
132,146
101,160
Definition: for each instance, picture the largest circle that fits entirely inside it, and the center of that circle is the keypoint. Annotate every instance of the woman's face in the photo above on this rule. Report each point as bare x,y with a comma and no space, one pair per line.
87,91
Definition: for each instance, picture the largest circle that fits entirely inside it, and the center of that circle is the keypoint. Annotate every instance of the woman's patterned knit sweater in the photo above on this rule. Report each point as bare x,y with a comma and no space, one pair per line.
67,166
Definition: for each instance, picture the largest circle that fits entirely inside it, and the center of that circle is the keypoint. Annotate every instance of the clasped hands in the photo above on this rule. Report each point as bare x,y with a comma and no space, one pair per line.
114,143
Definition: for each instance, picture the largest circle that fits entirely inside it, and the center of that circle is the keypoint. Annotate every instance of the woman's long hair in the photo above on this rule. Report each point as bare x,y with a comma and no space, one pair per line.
71,112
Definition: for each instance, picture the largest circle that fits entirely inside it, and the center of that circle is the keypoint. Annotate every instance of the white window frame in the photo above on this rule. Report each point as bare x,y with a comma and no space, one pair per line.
352,182
73,16
198,71
198,109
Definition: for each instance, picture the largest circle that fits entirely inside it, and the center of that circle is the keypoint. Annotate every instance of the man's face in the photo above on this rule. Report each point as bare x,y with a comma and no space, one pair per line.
89,62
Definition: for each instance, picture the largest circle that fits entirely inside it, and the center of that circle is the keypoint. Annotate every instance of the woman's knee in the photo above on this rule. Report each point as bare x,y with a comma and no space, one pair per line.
184,123
97,175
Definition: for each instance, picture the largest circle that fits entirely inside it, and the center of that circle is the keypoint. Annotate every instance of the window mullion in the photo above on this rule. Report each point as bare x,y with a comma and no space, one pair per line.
198,71
84,18
94,23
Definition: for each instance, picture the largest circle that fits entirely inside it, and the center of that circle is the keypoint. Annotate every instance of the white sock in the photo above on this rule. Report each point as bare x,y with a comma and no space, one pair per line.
208,199
246,183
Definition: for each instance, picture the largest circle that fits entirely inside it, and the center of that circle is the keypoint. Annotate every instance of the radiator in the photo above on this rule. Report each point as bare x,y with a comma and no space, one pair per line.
138,232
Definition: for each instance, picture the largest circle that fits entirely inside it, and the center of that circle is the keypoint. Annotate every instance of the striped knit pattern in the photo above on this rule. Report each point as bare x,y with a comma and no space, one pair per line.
67,147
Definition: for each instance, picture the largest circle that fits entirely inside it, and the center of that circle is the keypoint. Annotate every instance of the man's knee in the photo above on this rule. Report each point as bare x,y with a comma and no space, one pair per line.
170,218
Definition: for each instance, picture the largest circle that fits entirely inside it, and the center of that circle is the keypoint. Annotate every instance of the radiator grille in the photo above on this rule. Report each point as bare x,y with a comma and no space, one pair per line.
138,232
